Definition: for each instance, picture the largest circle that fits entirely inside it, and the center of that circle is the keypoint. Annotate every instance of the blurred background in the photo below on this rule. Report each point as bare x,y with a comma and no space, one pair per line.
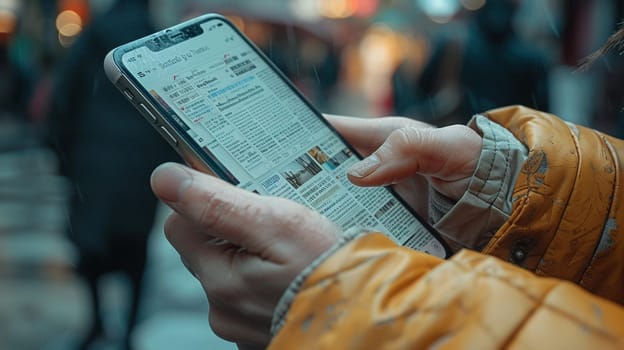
83,260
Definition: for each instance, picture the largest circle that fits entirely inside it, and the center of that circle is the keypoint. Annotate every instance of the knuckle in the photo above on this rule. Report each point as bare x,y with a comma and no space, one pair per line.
297,216
404,134
322,231
214,210
459,130
414,136
296,219
402,138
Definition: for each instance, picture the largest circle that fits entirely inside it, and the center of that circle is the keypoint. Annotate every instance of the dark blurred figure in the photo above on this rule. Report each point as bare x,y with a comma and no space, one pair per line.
311,62
108,151
609,114
491,67
15,85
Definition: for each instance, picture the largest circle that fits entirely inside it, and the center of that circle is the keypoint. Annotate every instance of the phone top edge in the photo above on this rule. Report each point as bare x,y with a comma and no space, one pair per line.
121,50
111,64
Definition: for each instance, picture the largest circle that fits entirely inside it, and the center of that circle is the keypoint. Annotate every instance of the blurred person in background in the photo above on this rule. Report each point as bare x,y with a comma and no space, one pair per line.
15,84
316,67
609,112
308,56
108,151
488,68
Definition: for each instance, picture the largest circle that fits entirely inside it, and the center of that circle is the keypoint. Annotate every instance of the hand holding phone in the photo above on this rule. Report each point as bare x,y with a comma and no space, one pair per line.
229,112
267,244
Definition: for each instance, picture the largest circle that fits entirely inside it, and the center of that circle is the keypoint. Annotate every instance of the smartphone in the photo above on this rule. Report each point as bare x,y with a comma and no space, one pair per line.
228,111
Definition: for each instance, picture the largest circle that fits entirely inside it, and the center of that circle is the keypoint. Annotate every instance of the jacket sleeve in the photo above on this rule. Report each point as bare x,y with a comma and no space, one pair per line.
567,215
470,222
371,294
564,223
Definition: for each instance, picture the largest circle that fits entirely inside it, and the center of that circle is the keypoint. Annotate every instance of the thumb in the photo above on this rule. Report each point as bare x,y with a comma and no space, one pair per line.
446,154
268,226
223,210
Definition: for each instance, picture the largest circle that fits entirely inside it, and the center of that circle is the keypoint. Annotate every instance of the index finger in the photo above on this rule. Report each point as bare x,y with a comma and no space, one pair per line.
367,134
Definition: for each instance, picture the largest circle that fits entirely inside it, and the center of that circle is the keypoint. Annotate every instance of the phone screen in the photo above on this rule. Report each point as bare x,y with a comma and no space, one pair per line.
254,130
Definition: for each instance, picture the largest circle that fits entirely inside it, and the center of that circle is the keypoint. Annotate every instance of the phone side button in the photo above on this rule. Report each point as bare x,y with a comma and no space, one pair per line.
169,136
148,112
129,95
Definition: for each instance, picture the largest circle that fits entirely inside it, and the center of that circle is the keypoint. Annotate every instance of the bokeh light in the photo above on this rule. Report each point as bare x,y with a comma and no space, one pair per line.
8,16
69,25
380,48
312,10
473,5
305,10
440,11
67,17
337,8
366,8
238,21
379,53
7,21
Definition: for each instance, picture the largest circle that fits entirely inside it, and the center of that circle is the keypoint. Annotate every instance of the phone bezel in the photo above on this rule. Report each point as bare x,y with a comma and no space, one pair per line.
186,146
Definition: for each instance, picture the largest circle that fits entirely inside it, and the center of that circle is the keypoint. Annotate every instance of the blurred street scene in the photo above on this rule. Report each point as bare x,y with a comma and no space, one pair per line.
83,259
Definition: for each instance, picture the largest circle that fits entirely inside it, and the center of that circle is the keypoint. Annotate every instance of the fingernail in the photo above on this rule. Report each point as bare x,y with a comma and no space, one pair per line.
365,167
169,181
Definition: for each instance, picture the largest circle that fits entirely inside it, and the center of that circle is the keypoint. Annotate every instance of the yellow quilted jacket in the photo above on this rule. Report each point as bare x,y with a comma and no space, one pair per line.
552,277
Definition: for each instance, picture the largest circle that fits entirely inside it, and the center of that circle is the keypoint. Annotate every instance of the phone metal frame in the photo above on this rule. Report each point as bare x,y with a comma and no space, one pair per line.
178,138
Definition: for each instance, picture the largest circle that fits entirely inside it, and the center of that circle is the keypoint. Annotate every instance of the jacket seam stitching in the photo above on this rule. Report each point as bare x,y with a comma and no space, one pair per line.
540,305
497,240
539,268
498,191
609,212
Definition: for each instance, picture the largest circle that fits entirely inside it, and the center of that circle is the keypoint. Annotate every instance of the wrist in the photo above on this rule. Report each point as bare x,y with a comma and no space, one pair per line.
487,202
287,298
